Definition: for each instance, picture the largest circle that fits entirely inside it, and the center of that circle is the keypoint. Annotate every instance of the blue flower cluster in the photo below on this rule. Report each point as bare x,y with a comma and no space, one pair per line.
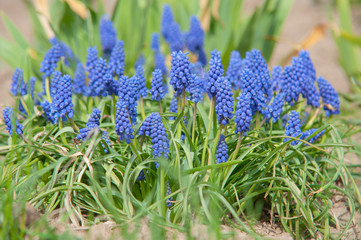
108,36
141,82
306,75
62,98
290,85
96,83
50,60
255,63
91,59
159,59
293,128
274,110
32,87
180,74
110,84
252,85
128,93
93,122
48,111
116,61
79,81
233,73
171,30
222,150
9,116
276,78
55,83
157,90
331,102
243,114
308,133
196,89
215,72
123,128
17,83
194,39
66,51
140,61
224,101
153,127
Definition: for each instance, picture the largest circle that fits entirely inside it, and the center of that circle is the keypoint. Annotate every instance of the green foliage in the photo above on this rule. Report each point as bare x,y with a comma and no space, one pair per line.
52,170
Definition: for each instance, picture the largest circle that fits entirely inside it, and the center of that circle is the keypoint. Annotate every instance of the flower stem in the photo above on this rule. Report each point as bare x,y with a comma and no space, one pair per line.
312,119
162,192
63,139
142,107
237,146
160,107
47,89
205,146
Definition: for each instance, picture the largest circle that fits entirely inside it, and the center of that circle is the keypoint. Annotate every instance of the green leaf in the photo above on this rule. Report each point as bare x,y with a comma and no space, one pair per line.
15,33
64,130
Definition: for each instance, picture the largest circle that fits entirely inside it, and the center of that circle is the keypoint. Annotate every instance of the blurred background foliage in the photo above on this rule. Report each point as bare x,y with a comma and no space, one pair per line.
75,22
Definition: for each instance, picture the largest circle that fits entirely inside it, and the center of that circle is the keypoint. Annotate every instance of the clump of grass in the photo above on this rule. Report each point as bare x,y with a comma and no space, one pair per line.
109,150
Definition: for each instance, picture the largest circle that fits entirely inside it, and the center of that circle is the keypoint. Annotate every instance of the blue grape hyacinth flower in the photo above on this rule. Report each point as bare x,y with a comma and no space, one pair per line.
215,72
224,101
222,150
55,83
293,128
331,102
141,82
276,78
309,132
96,79
274,110
196,89
116,61
16,82
155,46
66,51
255,63
157,91
32,87
93,122
252,85
79,81
290,85
123,128
243,114
233,73
50,60
91,59
180,74
9,116
159,62
62,99
108,36
167,20
48,111
129,93
154,128
111,85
